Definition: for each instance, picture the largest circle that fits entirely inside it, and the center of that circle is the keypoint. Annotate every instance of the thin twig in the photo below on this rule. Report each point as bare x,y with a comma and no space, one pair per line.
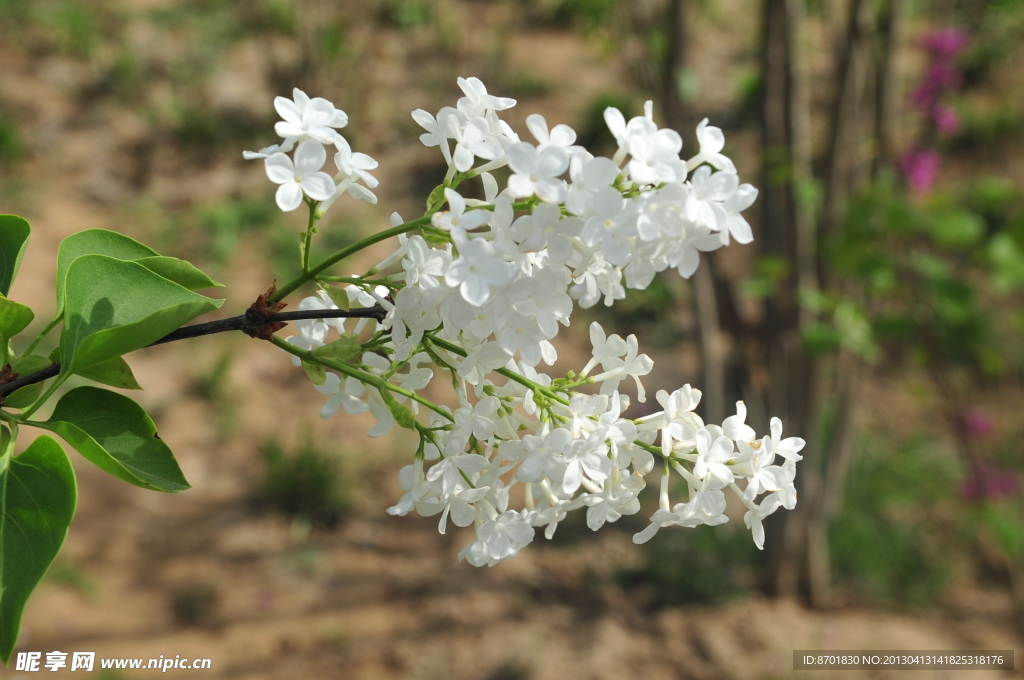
242,322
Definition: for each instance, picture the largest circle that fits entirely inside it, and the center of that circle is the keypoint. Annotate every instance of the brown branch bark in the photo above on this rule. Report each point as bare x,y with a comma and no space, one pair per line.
886,94
242,322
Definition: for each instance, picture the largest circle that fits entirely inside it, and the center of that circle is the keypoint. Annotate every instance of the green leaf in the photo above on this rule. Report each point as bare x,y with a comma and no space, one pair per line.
37,502
14,233
339,350
436,199
114,372
114,307
183,273
14,317
26,396
958,228
338,296
95,242
820,338
115,434
316,372
403,416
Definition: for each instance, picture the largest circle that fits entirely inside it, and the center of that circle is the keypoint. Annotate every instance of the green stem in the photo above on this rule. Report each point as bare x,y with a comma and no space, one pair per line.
8,452
311,273
46,395
42,334
356,280
362,376
511,375
526,382
309,235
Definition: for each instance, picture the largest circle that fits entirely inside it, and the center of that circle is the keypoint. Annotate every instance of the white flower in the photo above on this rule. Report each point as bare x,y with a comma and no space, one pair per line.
524,334
705,204
546,302
735,427
423,264
346,394
561,136
482,361
735,223
301,177
283,147
438,130
605,348
477,101
457,218
546,228
654,153
537,172
755,463
707,505
410,478
476,271
755,516
542,456
788,448
354,164
611,224
580,409
607,507
478,420
506,535
461,507
633,365
711,141
471,140
451,469
601,278
589,175
583,457
712,457
308,118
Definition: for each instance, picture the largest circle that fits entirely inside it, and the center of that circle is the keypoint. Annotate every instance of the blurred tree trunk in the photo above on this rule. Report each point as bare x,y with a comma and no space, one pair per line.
886,93
858,116
705,299
788,233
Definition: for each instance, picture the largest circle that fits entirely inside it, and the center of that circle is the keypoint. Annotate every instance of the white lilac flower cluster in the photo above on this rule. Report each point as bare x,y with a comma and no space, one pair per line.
482,293
308,126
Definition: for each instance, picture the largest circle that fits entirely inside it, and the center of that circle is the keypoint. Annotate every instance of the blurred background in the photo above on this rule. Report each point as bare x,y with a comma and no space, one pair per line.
879,313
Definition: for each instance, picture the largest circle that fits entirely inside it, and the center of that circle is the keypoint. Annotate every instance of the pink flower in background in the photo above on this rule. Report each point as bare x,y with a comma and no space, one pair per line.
940,77
946,42
945,119
919,168
987,483
976,424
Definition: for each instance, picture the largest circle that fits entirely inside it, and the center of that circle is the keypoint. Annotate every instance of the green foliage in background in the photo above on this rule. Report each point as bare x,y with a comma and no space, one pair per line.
894,541
307,484
938,281
703,565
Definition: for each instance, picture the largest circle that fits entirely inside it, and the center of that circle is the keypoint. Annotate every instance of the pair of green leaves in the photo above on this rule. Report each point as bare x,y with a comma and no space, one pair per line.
118,296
